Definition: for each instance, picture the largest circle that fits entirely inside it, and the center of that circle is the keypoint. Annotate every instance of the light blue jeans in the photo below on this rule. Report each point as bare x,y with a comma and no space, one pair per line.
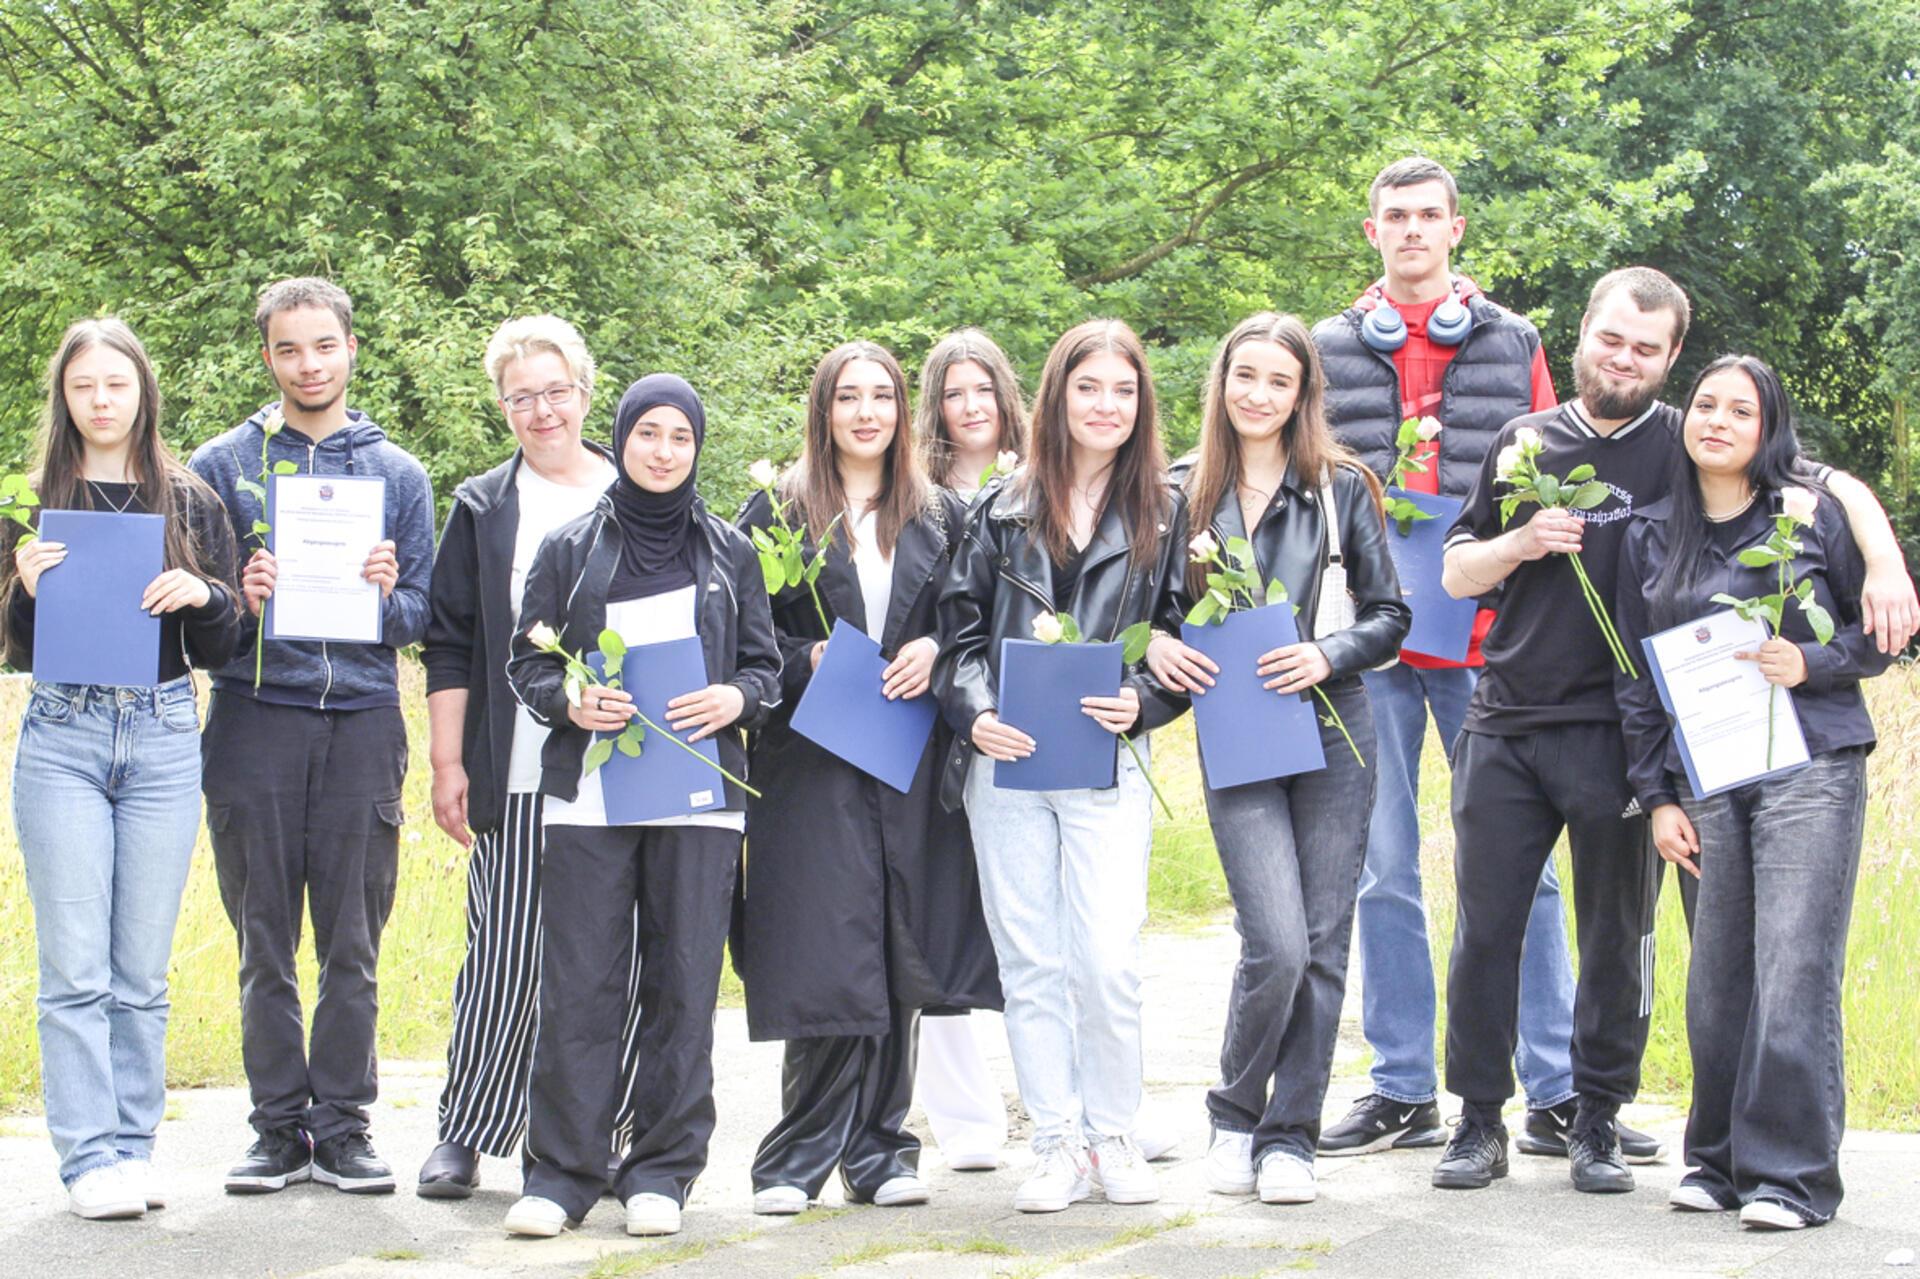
1063,878
106,803
1397,999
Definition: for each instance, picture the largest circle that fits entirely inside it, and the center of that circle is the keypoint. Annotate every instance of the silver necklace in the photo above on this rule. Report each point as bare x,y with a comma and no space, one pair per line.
1735,513
121,509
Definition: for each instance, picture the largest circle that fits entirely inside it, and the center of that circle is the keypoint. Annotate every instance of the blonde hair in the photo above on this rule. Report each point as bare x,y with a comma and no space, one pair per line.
530,335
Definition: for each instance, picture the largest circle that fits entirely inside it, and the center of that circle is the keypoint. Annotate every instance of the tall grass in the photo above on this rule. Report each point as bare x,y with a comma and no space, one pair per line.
426,935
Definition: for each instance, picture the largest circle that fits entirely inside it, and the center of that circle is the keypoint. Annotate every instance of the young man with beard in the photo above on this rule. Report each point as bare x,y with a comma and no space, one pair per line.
1542,748
1425,342
302,773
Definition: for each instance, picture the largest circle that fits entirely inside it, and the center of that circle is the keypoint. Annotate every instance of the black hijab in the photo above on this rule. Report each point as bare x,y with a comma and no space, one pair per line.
656,529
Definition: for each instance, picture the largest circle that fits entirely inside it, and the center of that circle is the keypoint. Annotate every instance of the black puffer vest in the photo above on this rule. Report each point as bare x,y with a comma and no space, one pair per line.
1488,383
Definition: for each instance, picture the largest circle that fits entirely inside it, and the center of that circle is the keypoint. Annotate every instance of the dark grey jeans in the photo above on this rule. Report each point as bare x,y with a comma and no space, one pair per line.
303,807
1778,860
1292,850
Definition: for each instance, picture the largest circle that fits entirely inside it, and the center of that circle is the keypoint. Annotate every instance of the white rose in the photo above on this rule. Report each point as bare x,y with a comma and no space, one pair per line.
1005,462
1203,547
1047,629
542,636
1528,439
1429,428
1509,458
1798,504
271,424
763,474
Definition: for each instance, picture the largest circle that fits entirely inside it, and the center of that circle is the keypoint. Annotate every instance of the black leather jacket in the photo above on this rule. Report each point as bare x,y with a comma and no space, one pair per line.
567,589
1290,543
1002,578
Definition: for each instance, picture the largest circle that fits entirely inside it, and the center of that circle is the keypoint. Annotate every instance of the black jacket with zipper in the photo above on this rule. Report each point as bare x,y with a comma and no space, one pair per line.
567,589
1290,543
470,627
1002,579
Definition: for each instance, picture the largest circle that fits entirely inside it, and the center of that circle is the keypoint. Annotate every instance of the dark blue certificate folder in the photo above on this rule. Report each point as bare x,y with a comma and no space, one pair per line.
844,711
1040,690
664,781
88,626
1442,625
1249,733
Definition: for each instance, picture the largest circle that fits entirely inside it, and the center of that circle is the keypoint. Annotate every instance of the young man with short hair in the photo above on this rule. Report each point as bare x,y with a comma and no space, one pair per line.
1542,752
302,774
1425,342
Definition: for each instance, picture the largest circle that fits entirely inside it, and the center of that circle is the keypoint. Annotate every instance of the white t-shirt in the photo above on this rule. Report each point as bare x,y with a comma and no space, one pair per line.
544,507
875,570
652,620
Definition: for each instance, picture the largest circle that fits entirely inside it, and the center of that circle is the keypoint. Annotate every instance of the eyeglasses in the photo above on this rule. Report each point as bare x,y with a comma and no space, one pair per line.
556,396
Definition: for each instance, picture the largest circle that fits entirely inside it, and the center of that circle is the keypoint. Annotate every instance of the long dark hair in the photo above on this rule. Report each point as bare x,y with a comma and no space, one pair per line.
1776,464
163,485
930,424
815,482
1138,481
1306,438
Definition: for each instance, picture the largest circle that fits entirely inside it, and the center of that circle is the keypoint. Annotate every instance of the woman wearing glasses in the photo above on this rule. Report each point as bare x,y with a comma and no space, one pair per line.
485,747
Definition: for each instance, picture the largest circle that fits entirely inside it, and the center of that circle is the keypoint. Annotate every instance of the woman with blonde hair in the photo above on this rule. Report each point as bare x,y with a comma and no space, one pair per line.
970,410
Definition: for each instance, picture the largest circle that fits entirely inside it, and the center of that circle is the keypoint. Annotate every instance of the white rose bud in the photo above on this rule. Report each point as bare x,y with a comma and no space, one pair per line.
1798,504
1005,462
763,474
1509,458
1203,547
272,423
1429,428
540,635
1047,629
1528,439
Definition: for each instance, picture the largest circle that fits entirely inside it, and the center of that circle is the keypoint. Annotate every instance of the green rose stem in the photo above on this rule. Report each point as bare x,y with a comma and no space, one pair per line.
1614,644
270,426
643,718
783,560
1146,773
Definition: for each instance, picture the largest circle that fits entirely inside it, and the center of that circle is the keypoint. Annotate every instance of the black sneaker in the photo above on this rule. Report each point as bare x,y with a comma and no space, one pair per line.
277,1159
1381,1123
346,1160
1593,1158
1475,1157
452,1171
1546,1134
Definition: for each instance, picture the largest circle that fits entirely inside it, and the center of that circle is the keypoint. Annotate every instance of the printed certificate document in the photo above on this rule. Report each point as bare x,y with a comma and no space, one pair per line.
1720,706
324,526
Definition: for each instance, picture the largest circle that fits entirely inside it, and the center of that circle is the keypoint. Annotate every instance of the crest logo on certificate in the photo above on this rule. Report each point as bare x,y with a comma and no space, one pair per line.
324,527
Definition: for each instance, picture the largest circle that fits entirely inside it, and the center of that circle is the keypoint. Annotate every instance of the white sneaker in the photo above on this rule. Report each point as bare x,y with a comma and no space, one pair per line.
1286,1178
537,1218
106,1194
1693,1198
1771,1214
1123,1173
898,1192
1060,1178
652,1214
779,1201
142,1174
1153,1136
1230,1163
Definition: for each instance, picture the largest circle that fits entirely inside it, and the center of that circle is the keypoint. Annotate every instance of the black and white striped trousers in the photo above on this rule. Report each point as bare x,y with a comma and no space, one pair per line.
496,995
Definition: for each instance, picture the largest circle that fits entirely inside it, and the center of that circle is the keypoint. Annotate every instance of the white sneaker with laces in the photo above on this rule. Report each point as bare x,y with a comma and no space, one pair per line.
106,1194
899,1192
1770,1214
779,1201
1123,1172
1230,1163
536,1218
1693,1198
652,1214
1286,1178
1058,1179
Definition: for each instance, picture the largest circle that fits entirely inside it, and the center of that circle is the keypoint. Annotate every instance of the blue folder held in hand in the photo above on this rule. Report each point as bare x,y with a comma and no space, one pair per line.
88,626
1442,625
1040,690
664,781
1249,733
844,712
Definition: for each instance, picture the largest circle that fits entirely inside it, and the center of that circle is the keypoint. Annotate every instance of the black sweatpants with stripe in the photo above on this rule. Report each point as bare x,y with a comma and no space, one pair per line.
496,995
1512,796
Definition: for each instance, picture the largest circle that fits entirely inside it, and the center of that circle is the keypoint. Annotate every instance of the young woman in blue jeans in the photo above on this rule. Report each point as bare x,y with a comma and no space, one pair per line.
1776,859
106,782
1268,470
